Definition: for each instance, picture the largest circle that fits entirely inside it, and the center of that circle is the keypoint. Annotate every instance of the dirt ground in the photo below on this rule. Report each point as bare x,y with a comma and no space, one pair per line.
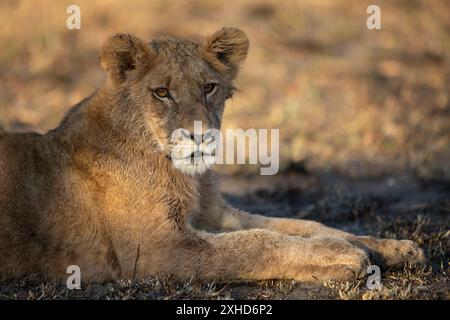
364,119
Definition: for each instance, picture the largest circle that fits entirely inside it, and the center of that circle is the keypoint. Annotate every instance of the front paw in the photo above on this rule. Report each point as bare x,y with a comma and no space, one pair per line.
346,267
401,252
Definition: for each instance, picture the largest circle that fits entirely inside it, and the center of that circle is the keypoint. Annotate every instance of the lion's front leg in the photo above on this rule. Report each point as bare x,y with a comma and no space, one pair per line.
259,255
390,252
220,216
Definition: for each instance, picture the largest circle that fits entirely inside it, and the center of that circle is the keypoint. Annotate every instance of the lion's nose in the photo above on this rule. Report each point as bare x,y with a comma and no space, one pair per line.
207,137
199,138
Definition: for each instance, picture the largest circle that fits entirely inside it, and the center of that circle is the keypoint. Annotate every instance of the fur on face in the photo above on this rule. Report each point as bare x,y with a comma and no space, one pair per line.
163,85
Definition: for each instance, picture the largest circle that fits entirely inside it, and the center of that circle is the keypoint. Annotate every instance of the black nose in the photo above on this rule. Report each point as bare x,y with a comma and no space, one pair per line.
197,138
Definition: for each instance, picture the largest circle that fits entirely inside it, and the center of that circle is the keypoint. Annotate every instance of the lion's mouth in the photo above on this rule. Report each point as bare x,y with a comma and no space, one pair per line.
194,162
198,154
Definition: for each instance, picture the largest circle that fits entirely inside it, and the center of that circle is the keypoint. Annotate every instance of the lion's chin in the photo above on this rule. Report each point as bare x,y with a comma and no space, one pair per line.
193,169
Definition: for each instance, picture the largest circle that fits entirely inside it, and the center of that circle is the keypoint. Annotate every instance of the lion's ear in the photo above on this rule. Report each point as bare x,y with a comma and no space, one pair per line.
122,53
226,49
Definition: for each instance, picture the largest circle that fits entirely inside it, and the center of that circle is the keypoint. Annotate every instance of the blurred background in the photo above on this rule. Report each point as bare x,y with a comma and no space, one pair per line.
356,101
364,117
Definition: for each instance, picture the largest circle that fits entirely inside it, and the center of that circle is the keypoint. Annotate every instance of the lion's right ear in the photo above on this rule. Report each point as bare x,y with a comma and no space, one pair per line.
123,53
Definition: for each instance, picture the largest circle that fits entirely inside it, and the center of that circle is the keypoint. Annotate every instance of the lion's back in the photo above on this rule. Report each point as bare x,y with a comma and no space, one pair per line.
9,238
18,223
26,162
5,174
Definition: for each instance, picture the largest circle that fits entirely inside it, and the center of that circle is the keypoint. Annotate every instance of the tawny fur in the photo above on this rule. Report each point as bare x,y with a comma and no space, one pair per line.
102,184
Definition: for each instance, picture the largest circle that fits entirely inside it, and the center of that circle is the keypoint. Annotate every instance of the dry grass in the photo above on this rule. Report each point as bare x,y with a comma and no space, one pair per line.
344,97
365,105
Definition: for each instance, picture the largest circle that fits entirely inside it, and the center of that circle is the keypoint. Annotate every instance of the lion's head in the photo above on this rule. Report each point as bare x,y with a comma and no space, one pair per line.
177,89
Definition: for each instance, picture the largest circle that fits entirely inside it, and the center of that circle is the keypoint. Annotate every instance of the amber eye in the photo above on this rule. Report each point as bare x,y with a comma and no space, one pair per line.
161,93
209,87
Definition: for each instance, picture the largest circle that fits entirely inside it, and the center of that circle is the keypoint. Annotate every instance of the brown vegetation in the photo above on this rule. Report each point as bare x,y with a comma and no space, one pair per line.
364,118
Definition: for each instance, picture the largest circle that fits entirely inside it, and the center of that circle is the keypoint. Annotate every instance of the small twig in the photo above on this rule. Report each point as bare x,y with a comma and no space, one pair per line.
135,263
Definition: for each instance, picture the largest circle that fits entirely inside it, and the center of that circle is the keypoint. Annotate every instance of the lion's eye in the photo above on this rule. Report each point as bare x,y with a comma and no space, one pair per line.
161,92
209,87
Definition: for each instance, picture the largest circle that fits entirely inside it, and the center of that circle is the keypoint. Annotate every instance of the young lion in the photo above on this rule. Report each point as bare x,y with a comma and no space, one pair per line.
102,192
